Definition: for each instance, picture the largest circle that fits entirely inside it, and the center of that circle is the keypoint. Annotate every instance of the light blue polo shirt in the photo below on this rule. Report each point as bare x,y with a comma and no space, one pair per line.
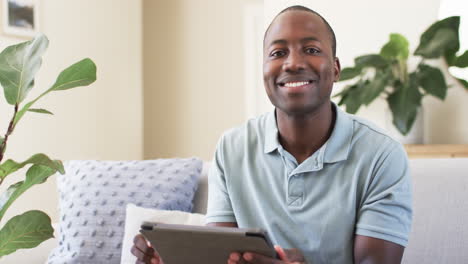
358,182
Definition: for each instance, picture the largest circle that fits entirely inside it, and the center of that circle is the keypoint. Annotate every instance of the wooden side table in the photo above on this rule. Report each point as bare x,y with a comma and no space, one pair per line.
437,151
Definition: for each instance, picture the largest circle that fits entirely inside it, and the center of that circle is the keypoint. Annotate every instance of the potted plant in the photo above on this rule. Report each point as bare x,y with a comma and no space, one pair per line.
18,67
387,74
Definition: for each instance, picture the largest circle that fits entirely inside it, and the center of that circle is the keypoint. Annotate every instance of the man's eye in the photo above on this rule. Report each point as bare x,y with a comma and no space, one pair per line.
277,53
312,50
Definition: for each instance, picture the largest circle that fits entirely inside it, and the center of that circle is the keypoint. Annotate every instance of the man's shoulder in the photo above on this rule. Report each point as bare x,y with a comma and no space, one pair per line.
368,137
245,140
251,131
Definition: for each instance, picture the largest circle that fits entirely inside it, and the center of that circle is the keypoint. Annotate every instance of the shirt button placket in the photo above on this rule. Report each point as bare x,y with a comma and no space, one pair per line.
295,190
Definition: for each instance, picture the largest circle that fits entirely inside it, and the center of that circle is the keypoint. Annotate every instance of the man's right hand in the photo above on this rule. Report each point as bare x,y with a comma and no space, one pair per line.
143,251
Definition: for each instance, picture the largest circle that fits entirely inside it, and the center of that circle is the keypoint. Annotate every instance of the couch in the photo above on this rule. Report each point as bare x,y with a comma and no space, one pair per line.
439,233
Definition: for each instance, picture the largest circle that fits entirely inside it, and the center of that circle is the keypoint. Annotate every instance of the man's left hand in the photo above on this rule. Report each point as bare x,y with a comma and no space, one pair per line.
287,256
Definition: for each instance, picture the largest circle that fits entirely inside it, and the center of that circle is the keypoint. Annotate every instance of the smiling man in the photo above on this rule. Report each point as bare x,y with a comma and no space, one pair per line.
327,186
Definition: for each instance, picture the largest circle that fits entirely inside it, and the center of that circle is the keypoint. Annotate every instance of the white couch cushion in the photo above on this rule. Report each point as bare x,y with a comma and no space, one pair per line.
439,233
200,201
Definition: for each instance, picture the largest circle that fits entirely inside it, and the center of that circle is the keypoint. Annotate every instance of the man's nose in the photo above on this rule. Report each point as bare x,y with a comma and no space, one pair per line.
294,62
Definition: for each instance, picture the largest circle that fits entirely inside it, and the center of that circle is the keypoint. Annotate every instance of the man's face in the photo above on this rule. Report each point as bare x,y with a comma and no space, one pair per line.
298,66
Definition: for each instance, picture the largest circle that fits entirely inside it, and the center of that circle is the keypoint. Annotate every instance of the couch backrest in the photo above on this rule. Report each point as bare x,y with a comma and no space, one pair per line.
440,231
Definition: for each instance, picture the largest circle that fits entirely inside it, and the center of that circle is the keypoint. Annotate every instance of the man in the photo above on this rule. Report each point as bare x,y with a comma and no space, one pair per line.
327,186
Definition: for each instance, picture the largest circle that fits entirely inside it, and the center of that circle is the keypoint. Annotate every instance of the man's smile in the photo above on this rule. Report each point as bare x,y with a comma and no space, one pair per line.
296,86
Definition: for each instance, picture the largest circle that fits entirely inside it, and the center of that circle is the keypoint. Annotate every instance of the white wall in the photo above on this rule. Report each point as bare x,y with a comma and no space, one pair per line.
102,121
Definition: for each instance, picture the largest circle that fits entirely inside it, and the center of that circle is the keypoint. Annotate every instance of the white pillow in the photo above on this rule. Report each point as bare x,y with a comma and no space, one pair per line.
135,216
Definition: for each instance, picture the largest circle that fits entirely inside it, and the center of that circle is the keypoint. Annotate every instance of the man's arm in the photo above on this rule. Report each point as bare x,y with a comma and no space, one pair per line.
369,250
385,213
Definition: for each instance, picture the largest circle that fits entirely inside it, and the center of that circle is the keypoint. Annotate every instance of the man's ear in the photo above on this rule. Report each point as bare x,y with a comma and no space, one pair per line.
337,68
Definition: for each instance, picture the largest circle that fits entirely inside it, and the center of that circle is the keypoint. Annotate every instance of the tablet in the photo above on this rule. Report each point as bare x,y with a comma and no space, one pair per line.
182,244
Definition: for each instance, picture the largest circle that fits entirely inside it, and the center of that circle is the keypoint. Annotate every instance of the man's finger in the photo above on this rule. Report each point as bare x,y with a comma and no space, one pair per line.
259,259
235,256
289,255
140,241
294,255
280,251
140,255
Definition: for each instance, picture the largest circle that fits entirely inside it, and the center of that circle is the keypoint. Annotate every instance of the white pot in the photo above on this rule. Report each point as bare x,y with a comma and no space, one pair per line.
416,134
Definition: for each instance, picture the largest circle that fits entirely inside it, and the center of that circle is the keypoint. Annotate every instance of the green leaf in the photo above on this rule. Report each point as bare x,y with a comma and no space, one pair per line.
404,103
1,142
372,60
18,66
40,111
349,73
450,58
435,40
27,230
81,73
375,87
463,82
396,48
36,174
11,166
23,111
351,98
432,81
443,40
462,61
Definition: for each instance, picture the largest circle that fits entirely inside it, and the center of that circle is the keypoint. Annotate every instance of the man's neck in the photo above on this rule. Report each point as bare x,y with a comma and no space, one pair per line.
302,135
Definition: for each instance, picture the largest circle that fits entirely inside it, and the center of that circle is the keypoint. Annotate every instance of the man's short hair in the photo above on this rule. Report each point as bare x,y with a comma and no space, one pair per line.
303,8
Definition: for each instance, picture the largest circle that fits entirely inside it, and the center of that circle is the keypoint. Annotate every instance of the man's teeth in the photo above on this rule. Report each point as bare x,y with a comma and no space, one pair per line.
295,84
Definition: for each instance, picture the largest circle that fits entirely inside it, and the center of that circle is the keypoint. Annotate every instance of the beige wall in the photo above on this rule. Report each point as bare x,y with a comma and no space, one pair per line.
103,121
194,68
193,75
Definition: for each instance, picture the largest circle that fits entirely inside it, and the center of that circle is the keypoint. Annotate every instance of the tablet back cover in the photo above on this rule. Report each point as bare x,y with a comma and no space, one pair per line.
207,245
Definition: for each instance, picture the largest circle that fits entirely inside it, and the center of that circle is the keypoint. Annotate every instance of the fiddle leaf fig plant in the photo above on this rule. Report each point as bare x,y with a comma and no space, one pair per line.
386,74
18,67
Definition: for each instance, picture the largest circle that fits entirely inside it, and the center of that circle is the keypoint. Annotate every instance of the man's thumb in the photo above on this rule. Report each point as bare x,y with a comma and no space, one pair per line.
289,255
281,253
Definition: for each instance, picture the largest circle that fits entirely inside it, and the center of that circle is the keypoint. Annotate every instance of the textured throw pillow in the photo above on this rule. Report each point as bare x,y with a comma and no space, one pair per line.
94,195
137,215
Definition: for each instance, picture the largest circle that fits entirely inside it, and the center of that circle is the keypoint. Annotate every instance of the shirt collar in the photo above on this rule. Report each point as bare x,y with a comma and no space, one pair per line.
339,143
337,147
271,133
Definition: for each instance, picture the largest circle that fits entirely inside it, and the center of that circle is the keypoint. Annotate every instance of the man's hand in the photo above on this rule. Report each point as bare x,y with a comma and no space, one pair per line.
144,252
287,256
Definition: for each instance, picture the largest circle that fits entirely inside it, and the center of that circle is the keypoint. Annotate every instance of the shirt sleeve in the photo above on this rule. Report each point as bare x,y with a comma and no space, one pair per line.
219,203
386,211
